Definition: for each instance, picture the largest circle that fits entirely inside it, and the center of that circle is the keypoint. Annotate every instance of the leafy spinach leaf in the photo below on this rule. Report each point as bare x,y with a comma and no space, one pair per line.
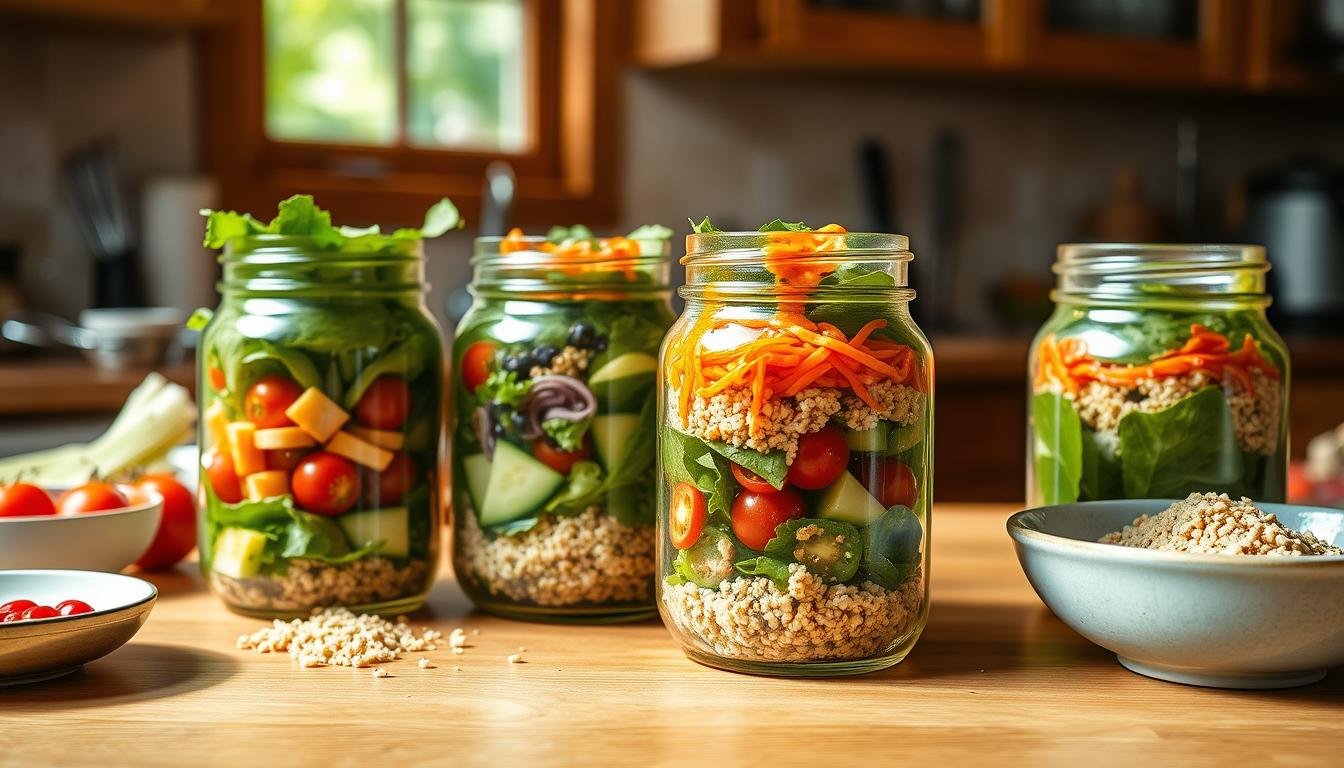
779,225
772,568
1057,437
688,459
772,466
1101,473
703,227
299,365
1191,446
891,547
859,275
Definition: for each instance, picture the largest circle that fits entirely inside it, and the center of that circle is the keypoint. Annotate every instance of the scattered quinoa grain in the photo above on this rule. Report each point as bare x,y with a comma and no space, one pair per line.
337,637
424,663
379,672
516,658
1214,523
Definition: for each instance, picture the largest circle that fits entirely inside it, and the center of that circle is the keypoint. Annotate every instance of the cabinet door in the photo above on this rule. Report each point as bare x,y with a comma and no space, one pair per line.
917,34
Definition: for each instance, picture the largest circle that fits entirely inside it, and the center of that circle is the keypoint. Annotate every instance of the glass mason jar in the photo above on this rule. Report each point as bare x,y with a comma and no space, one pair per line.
795,455
1157,376
320,390
553,432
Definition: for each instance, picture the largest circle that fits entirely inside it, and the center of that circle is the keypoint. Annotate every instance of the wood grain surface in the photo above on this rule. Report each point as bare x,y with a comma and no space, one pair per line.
996,679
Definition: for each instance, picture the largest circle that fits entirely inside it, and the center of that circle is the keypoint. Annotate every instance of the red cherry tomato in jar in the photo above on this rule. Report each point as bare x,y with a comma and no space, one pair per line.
756,515
16,606
39,612
476,363
821,459
889,480
385,404
266,400
686,515
24,500
223,479
73,607
93,496
752,481
177,528
389,487
561,461
285,458
325,484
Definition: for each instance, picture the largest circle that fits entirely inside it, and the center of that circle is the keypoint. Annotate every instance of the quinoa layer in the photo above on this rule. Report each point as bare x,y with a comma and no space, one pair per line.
562,561
751,618
310,584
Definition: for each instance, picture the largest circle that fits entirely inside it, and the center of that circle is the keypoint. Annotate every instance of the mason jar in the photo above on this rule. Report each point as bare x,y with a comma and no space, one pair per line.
320,381
795,424
1157,376
553,449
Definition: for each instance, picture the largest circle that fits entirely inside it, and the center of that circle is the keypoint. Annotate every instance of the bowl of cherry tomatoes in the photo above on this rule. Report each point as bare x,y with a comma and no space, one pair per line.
96,526
52,622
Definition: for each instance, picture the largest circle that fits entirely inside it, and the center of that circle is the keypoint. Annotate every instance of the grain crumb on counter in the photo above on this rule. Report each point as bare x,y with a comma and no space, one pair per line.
1217,524
752,618
424,663
379,672
337,637
781,423
516,658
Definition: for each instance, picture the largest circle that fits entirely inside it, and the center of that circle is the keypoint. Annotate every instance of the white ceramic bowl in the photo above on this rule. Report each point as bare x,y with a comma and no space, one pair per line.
40,650
98,541
1224,621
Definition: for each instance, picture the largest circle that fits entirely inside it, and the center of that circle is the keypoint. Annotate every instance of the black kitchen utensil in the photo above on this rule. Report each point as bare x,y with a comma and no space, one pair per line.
93,184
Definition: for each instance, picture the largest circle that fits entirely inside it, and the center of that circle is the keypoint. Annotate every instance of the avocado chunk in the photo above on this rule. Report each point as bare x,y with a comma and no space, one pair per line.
238,552
847,500
873,440
612,434
831,549
624,366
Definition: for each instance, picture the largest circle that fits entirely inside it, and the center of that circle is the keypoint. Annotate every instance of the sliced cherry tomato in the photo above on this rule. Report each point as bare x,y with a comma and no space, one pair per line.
16,606
223,479
561,461
821,459
389,487
285,458
25,500
73,607
325,484
752,481
385,404
177,528
476,363
756,515
686,515
93,496
39,612
889,480
266,400
11,616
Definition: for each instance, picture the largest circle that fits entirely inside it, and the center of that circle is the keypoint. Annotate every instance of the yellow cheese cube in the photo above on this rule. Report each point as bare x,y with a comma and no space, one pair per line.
359,451
264,485
247,457
281,438
316,414
392,441
217,423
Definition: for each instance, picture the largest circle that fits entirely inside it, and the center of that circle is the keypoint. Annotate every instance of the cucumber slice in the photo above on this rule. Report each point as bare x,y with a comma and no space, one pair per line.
519,485
907,437
847,500
391,526
238,552
628,364
477,469
873,440
612,434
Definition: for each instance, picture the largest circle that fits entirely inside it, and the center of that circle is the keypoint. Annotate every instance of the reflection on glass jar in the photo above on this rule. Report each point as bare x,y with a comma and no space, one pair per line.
1158,376
553,445
795,458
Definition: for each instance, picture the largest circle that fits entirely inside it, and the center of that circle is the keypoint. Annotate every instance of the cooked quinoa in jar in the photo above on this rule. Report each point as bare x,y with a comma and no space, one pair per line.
794,456
1158,376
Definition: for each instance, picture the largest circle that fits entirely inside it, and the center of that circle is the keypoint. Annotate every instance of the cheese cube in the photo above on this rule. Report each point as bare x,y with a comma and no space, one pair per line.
316,414
247,457
216,424
264,485
392,441
359,451
281,438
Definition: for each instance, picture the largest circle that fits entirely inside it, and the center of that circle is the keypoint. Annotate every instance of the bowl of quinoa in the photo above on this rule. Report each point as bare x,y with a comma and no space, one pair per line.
1209,590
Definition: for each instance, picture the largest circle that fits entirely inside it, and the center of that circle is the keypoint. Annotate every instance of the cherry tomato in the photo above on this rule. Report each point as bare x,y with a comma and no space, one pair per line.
686,515
891,481
266,400
11,616
385,404
821,459
285,458
217,381
476,362
39,612
73,607
389,487
24,500
93,496
755,515
751,481
16,606
223,479
561,461
325,484
177,527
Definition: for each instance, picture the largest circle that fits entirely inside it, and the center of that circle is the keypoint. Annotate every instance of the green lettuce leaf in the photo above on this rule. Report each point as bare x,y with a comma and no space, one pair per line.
504,388
1057,441
703,227
771,466
651,232
779,225
1191,446
300,216
566,434
688,459
891,546
772,568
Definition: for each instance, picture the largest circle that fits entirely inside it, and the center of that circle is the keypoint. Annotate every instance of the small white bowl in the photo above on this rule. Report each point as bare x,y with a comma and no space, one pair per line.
97,541
1223,621
31,651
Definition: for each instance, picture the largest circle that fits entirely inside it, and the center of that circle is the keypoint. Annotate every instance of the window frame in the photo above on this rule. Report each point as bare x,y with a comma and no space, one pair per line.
568,173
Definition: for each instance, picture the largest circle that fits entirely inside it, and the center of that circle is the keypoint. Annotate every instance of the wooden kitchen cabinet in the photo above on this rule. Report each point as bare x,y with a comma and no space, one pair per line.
128,13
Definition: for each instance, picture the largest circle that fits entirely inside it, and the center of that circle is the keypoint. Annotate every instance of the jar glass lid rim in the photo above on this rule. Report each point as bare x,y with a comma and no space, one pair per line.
1202,254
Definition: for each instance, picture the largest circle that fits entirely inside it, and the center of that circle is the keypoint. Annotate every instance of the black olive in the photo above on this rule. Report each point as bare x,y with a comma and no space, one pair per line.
582,334
497,427
519,364
600,344
518,420
542,356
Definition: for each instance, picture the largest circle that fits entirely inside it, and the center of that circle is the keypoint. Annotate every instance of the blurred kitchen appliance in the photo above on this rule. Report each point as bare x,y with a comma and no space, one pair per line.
11,298
1297,211
1321,34
111,338
93,184
875,186
178,270
944,200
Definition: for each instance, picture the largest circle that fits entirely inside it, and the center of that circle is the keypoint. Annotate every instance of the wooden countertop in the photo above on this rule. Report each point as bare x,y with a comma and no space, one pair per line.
995,678
38,385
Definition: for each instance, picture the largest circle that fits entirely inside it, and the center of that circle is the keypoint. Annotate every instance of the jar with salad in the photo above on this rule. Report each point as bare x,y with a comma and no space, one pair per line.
553,441
320,393
1158,376
795,453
